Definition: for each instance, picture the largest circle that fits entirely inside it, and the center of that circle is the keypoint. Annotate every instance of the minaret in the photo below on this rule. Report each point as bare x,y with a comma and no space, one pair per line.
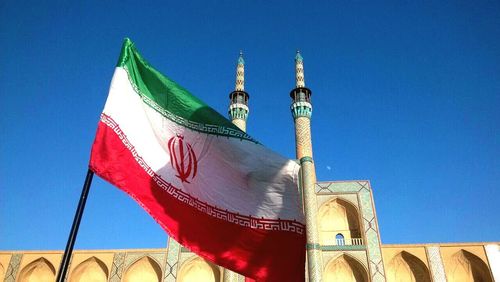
302,111
238,106
238,113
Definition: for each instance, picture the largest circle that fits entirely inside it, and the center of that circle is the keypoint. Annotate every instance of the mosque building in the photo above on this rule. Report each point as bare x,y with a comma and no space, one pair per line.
343,235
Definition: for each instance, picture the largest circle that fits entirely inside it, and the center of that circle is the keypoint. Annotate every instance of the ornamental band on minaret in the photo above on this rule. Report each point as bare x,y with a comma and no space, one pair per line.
301,110
238,106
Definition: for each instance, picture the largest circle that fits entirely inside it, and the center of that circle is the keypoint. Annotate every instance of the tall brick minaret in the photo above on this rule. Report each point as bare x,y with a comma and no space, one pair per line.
238,113
238,106
302,110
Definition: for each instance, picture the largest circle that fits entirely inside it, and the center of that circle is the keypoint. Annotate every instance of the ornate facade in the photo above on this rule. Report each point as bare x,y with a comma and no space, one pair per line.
343,236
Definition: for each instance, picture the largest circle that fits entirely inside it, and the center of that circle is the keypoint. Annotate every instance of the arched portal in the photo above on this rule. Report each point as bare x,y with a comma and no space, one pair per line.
405,267
144,270
346,269
198,269
40,270
90,270
338,217
465,266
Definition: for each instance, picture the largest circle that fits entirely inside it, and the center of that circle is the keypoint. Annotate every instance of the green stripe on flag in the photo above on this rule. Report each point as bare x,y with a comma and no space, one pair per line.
172,100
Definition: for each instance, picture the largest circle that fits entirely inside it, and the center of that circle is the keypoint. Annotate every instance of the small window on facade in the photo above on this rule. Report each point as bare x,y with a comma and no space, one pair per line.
340,239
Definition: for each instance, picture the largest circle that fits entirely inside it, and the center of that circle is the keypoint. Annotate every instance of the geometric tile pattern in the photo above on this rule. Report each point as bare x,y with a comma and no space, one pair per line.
173,252
303,137
117,267
436,263
240,74
13,268
299,71
363,191
314,254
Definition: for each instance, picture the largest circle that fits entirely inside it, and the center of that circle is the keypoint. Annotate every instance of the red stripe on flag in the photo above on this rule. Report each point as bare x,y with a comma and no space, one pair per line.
265,255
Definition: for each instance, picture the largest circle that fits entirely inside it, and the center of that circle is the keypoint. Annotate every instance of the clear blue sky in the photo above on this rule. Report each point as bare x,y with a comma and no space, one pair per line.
405,94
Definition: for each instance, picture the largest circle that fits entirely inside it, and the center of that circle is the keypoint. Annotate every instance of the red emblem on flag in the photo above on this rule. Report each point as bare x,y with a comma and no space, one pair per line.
182,158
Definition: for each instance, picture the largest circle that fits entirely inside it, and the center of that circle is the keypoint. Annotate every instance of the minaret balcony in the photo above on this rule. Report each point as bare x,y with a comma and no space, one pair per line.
301,94
239,97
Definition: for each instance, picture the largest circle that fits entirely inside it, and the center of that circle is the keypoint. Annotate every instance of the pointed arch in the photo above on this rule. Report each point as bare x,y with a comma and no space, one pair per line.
465,266
405,267
337,216
198,269
145,269
39,270
345,268
90,270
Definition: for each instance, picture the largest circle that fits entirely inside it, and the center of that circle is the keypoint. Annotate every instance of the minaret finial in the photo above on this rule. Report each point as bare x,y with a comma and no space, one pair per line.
240,58
298,57
299,71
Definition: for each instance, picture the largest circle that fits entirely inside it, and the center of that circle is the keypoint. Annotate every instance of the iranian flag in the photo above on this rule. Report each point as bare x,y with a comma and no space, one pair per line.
211,186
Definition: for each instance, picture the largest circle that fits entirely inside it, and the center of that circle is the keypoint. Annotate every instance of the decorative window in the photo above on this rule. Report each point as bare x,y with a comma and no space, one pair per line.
340,239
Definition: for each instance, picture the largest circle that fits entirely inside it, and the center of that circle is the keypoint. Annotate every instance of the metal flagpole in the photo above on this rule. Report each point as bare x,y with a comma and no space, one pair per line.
74,229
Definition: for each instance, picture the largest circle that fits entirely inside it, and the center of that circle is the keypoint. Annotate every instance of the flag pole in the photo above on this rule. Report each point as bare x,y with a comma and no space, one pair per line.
74,228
